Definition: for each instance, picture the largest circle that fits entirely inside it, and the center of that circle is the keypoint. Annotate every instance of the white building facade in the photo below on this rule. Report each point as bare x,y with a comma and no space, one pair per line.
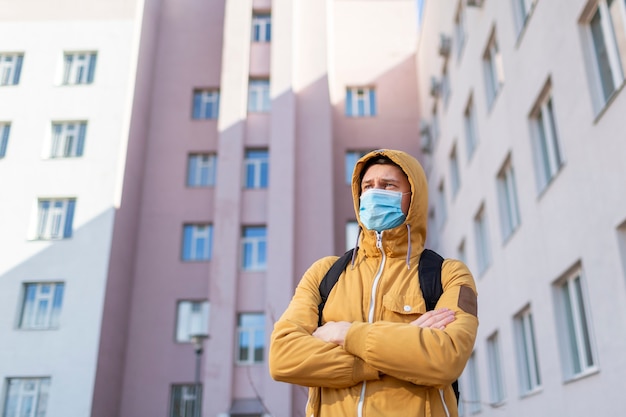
523,126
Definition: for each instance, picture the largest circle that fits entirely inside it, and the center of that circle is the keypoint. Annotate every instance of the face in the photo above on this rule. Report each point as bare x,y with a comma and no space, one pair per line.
388,177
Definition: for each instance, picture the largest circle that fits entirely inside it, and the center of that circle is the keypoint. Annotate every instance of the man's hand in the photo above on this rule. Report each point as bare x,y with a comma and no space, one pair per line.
435,319
333,332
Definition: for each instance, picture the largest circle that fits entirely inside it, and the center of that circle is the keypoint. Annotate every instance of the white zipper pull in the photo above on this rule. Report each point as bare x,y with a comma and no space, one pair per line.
379,240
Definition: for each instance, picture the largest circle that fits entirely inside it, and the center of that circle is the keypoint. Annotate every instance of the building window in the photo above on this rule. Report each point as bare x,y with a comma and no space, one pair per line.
352,158
257,168
455,177
546,147
575,338
461,253
192,318
459,29
527,363
434,126
522,10
507,199
352,233
251,344
254,243
483,251
259,96
473,391
26,397
261,27
442,208
10,68
79,68
494,69
41,308
5,129
360,101
496,376
469,122
206,104
197,242
606,34
55,217
68,139
445,86
183,401
201,170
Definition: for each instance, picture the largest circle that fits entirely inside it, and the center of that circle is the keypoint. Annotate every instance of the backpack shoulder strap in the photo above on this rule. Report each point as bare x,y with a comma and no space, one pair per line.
429,272
330,279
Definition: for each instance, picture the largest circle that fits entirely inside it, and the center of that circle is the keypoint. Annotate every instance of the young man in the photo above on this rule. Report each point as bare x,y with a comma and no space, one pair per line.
379,352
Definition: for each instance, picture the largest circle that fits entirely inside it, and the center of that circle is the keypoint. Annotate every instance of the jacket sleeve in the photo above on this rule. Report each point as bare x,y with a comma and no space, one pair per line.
295,356
422,356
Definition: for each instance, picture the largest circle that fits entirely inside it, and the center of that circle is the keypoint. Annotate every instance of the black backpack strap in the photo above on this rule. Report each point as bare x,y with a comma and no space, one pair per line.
330,279
429,271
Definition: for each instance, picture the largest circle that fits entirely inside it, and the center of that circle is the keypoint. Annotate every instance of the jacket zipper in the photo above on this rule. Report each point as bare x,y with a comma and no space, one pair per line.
370,316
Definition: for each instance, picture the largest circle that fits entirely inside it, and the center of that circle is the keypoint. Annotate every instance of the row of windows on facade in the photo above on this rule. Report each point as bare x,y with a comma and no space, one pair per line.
575,339
78,68
42,305
28,397
605,24
55,221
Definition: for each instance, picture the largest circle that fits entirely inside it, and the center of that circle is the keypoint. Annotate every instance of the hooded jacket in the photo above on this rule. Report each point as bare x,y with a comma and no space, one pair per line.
387,367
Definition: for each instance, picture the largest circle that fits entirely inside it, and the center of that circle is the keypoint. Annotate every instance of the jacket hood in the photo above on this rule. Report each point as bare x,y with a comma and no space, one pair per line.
406,240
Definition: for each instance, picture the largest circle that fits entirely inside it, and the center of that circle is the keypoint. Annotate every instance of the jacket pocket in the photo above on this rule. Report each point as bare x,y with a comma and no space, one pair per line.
402,308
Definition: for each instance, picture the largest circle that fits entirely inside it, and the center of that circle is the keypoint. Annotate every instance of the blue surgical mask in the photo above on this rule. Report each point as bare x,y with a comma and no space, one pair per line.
381,209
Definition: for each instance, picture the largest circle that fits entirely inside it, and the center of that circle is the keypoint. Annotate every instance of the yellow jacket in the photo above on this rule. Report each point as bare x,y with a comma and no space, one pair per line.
386,367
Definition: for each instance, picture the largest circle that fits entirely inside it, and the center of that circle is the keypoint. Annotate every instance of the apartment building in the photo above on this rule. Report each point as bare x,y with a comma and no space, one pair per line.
169,169
522,108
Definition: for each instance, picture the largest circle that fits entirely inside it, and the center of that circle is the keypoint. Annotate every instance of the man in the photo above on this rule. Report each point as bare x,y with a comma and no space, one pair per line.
379,352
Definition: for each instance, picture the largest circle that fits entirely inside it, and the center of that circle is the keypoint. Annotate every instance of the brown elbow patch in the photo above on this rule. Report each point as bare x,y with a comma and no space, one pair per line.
467,301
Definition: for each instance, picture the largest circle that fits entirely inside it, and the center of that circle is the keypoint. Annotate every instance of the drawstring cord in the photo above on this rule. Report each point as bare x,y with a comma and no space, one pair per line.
408,253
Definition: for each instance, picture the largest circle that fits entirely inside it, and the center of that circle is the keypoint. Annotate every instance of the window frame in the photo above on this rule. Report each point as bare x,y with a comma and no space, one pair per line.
254,248
67,139
52,309
575,331
40,393
483,243
192,235
508,201
5,132
493,69
256,169
455,173
528,369
252,331
194,397
473,401
263,22
259,100
460,32
49,213
10,68
470,128
361,101
201,170
205,104
79,67
615,61
497,388
548,152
